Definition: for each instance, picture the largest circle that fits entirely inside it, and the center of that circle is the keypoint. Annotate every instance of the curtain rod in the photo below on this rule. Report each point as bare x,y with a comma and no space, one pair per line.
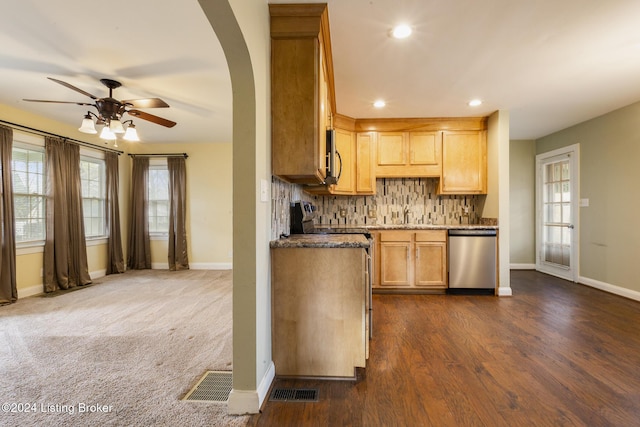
185,155
42,132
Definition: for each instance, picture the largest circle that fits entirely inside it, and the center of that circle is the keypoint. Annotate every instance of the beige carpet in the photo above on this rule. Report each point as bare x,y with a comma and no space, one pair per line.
128,347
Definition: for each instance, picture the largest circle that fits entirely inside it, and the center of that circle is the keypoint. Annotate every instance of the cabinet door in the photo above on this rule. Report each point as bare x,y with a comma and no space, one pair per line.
425,148
345,146
323,111
464,162
391,149
431,265
365,168
396,263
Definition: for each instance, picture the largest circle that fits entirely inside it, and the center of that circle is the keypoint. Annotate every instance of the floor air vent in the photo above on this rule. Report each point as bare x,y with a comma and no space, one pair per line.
214,386
294,395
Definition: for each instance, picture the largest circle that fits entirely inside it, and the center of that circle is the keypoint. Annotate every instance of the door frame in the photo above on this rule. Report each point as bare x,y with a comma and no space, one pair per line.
573,153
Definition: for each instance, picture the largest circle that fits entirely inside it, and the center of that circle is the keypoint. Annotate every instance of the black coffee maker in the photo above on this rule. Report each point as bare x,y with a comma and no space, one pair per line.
302,216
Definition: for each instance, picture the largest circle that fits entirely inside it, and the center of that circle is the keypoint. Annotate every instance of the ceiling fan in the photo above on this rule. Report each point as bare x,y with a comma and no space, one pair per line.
111,110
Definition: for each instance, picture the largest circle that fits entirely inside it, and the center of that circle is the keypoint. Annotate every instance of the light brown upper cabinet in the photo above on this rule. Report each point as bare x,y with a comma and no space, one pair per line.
409,154
346,163
355,163
302,91
464,162
365,166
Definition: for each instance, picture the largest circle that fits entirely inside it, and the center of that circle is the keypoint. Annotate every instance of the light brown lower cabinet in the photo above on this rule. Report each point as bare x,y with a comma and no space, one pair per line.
411,260
319,306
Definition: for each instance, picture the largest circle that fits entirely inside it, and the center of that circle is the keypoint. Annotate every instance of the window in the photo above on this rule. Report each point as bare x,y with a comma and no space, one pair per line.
158,198
92,178
28,176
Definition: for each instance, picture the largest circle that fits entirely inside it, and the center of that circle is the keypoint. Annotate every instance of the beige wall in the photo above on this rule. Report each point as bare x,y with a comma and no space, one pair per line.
209,204
522,160
609,178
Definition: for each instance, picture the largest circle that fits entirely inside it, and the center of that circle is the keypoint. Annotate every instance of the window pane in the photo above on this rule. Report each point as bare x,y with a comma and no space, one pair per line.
92,179
28,188
158,199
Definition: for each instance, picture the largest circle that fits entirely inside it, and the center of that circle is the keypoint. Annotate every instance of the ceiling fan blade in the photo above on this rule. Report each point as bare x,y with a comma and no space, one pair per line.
151,118
72,87
59,102
146,103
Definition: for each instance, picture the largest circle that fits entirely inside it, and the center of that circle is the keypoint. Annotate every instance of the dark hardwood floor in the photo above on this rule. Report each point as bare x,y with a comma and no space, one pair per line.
554,354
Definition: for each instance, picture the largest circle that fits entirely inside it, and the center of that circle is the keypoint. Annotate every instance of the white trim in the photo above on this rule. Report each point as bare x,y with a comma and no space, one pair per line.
160,265
27,249
97,274
522,266
211,266
613,289
30,291
243,402
265,384
196,266
96,241
39,289
505,291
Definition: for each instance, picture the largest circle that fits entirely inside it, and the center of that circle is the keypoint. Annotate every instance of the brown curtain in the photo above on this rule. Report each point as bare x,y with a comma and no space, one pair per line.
139,252
8,289
115,258
178,259
65,248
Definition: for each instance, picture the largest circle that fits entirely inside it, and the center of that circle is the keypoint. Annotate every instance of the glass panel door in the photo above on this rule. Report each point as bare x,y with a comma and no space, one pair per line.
556,212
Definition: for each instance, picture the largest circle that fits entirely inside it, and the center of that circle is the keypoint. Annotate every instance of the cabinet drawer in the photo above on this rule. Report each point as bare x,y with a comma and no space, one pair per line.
395,236
431,236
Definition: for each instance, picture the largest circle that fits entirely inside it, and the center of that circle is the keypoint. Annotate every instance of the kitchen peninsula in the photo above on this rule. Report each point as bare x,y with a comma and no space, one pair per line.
320,303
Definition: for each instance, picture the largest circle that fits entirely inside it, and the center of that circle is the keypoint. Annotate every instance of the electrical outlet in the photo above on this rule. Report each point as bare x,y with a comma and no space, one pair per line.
343,212
372,213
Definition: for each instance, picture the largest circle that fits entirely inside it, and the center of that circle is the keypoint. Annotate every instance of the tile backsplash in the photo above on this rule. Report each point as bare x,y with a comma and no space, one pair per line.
397,201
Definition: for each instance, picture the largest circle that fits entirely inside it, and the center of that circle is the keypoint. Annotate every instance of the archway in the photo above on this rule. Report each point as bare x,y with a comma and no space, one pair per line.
247,54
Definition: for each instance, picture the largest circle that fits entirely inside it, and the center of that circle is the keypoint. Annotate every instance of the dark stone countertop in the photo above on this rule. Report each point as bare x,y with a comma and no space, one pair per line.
321,241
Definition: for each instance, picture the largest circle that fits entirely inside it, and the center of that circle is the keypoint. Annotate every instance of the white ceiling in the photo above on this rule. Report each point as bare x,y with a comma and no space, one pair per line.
551,63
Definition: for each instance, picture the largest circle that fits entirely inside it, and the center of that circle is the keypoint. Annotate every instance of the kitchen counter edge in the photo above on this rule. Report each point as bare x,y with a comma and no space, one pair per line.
321,241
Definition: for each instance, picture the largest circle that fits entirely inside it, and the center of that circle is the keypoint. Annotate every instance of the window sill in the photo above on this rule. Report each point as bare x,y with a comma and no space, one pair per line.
95,241
29,248
38,247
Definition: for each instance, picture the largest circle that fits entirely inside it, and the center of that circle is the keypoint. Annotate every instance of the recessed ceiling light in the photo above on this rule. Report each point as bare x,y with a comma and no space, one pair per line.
474,103
379,103
401,31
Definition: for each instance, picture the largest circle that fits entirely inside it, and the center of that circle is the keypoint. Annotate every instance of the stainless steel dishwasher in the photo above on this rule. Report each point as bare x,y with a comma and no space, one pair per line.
472,261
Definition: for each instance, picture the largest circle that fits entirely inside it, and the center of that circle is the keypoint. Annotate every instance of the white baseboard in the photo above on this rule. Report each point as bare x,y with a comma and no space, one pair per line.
195,266
97,274
624,292
39,289
159,265
242,402
265,384
504,291
522,266
30,291
211,266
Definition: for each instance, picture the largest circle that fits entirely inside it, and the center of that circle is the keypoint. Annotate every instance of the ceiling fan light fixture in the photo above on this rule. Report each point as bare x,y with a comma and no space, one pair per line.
107,134
115,126
87,125
131,134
